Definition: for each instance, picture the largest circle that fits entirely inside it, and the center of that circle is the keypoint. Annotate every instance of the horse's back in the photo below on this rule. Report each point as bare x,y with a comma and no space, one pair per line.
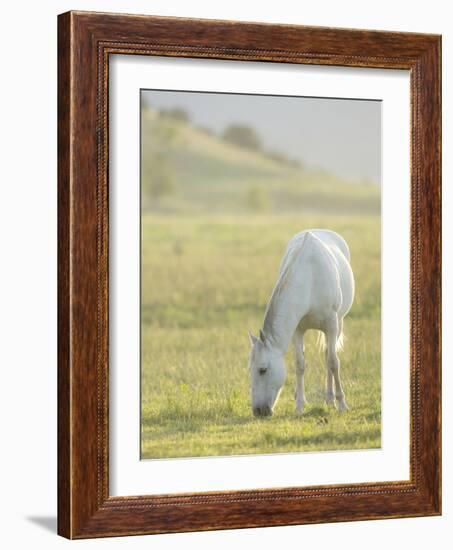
327,236
326,255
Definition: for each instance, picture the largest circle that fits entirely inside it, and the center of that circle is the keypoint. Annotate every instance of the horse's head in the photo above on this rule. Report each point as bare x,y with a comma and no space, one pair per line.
267,373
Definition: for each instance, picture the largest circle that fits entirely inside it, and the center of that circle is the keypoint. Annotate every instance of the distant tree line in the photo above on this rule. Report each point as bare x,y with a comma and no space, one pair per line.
241,135
175,113
247,138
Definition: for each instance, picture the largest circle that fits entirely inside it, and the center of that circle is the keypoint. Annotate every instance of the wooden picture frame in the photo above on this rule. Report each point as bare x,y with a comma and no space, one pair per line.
85,42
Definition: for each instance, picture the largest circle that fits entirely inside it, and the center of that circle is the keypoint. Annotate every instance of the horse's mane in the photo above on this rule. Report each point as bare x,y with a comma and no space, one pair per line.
287,268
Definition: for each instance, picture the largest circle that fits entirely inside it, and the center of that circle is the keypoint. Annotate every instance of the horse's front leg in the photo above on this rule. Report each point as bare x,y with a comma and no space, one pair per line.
298,341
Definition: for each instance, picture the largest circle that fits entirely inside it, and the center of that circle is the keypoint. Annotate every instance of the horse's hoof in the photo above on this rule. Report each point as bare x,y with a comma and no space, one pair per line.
341,407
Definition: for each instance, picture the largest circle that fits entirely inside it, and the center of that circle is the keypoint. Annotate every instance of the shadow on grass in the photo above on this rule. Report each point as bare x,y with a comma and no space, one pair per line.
327,440
198,420
195,423
317,412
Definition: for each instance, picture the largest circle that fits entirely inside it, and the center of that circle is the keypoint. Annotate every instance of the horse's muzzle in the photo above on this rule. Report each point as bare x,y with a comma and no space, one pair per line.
262,411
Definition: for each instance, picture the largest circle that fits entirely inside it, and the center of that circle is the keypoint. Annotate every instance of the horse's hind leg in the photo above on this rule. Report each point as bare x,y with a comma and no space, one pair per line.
333,363
298,341
330,396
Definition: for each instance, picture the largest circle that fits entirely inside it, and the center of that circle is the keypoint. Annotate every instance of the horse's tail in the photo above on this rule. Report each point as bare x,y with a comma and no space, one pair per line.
321,341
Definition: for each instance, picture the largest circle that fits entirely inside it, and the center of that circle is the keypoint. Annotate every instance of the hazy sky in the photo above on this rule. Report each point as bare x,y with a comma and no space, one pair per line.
342,136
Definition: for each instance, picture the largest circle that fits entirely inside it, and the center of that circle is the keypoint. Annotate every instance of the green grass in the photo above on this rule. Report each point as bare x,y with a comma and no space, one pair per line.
205,282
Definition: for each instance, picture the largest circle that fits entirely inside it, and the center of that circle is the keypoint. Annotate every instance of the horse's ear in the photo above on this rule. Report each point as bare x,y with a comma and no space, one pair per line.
253,339
262,337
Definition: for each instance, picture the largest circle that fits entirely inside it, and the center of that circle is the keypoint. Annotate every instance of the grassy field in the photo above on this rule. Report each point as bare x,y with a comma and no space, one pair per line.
206,280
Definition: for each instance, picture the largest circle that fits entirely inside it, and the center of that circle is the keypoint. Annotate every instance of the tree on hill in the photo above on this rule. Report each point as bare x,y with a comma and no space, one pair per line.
158,175
257,199
176,113
243,136
158,181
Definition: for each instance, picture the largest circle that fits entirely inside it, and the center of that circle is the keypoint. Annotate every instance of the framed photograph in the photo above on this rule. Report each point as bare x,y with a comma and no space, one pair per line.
249,275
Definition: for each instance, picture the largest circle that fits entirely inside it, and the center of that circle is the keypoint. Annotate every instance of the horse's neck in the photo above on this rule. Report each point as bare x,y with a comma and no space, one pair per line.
290,298
282,316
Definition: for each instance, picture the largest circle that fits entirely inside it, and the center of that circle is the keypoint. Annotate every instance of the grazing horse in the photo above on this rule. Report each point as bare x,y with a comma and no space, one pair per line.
314,290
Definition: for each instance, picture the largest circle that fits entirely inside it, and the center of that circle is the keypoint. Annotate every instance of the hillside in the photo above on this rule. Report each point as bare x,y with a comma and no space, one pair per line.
189,169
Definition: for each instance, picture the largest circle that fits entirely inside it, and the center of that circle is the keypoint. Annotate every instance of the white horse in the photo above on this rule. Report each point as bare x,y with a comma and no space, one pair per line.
314,290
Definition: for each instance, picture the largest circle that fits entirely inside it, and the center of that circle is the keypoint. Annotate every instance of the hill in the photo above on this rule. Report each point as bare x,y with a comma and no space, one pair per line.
188,169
